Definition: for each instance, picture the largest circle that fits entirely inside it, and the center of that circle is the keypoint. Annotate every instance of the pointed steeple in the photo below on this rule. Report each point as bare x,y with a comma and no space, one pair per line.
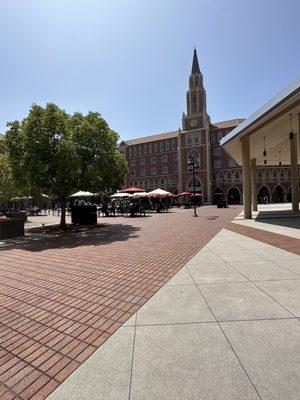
195,66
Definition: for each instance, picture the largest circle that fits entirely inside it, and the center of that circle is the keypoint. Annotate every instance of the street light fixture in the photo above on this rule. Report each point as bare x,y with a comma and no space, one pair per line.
193,166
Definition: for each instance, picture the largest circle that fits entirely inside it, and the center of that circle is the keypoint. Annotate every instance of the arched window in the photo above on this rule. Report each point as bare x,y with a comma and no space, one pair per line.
192,153
196,81
228,176
267,175
274,174
194,103
259,175
282,174
190,185
237,175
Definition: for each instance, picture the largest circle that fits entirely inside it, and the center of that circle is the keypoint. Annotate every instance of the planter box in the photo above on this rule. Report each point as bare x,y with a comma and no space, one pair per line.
11,228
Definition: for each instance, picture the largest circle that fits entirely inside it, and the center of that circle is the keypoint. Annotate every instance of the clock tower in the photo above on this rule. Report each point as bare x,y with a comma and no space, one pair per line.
195,116
195,135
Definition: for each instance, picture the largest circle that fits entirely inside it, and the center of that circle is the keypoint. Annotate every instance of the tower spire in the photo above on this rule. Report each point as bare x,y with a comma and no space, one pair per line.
195,66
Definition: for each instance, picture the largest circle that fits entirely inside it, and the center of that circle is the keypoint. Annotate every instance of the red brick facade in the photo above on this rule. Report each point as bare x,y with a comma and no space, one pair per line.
161,160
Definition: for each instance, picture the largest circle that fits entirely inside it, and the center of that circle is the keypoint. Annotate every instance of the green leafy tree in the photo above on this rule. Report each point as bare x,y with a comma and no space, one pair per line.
55,153
7,186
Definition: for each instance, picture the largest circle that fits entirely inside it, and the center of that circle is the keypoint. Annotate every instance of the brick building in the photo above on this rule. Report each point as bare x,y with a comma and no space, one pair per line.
161,160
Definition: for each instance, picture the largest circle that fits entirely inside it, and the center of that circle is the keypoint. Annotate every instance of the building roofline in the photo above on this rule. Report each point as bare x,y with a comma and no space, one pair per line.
284,95
173,134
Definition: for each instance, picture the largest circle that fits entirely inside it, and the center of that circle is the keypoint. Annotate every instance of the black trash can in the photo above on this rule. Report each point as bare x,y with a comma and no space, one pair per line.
84,214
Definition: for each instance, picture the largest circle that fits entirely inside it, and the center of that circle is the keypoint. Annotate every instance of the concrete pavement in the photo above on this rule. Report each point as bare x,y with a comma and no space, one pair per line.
225,327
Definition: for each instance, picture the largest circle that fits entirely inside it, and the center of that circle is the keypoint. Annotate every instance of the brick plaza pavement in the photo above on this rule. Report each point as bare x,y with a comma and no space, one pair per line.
283,242
62,297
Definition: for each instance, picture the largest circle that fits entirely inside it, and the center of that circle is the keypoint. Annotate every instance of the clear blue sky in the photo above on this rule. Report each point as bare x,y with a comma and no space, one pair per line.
130,59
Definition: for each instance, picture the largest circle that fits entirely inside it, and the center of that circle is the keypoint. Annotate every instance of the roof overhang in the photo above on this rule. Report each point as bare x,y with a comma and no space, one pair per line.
272,122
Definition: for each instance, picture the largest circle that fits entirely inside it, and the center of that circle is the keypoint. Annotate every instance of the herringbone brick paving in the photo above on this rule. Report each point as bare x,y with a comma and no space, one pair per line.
62,297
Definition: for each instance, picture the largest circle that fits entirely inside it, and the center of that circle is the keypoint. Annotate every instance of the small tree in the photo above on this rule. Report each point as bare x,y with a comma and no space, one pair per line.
53,152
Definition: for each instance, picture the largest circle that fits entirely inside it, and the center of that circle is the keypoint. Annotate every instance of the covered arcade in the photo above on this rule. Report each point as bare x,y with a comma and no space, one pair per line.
269,137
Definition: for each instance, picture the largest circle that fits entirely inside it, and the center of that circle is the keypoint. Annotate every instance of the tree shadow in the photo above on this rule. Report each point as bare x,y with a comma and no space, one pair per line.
104,234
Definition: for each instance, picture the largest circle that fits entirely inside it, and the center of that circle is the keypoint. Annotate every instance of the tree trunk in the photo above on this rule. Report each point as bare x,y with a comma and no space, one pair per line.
63,224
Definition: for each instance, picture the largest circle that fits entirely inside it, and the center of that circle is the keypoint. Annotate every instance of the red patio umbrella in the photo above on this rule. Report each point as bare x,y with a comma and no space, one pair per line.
132,190
183,194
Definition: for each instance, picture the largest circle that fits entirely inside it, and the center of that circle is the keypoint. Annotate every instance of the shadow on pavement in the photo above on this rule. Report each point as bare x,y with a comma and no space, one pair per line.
104,234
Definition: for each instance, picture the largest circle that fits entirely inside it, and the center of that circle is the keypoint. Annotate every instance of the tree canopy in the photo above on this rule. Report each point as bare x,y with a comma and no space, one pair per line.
53,152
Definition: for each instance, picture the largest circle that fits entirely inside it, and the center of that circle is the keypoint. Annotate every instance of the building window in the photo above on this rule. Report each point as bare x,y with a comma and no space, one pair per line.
174,156
133,162
164,158
175,169
189,141
153,171
150,148
173,145
231,163
143,171
217,164
145,149
153,160
161,146
142,161
237,175
194,103
193,153
130,151
165,169
216,151
196,140
134,151
155,147
140,150
132,172
167,146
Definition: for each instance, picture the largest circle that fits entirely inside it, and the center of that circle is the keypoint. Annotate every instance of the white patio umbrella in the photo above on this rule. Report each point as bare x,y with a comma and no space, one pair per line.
140,194
82,194
159,193
120,195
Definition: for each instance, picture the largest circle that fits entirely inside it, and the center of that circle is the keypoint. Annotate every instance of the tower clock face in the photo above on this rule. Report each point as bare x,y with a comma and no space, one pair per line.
193,122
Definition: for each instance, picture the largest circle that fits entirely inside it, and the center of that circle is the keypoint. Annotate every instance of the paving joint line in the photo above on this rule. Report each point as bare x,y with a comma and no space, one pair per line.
132,359
220,327
253,282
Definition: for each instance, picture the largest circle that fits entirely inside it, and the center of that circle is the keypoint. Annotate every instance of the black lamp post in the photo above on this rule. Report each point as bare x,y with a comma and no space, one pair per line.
193,166
222,180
